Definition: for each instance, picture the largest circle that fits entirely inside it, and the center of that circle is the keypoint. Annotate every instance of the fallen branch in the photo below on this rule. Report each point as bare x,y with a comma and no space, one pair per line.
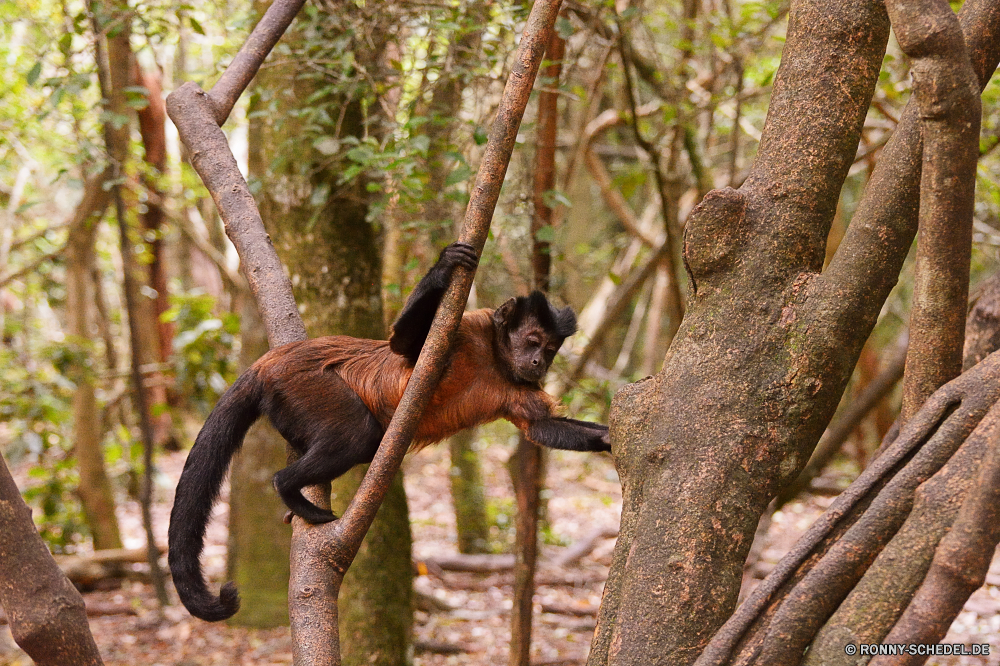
460,582
585,546
95,609
439,647
480,563
565,609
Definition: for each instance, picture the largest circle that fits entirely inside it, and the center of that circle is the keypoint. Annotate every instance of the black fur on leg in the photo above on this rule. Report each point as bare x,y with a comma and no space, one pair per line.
332,429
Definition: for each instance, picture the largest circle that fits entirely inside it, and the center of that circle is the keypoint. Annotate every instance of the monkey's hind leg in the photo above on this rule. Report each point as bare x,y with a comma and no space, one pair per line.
334,430
308,470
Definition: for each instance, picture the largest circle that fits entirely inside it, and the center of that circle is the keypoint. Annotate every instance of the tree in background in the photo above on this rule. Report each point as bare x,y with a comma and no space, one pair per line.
660,105
318,220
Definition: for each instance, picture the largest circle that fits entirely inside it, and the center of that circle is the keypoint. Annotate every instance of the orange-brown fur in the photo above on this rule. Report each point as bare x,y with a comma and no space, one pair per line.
472,390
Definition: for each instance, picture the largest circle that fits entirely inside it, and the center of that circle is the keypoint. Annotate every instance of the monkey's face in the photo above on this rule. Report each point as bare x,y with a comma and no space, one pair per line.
532,349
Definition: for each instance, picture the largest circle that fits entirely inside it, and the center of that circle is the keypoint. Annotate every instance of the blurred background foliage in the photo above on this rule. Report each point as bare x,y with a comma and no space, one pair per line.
697,75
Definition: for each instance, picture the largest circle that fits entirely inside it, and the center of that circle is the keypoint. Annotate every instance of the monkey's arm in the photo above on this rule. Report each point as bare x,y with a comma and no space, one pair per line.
414,322
557,432
532,413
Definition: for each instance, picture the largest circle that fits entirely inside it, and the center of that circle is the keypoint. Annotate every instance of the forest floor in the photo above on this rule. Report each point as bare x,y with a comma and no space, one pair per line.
585,495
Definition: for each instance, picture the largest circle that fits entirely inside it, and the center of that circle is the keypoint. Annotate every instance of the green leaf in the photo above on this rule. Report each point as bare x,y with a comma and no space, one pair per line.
326,145
480,136
564,28
34,73
553,198
545,234
320,195
460,174
196,26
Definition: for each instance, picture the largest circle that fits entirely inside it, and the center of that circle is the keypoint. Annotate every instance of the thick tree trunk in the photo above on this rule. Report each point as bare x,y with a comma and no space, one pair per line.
257,558
376,598
759,362
46,613
332,255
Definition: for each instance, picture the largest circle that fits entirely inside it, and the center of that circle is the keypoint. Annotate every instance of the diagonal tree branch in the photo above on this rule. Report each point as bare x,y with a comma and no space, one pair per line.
923,445
46,613
961,562
332,547
322,554
198,116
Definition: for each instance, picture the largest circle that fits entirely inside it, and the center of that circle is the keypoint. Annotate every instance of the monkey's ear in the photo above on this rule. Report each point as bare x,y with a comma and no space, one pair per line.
502,315
565,322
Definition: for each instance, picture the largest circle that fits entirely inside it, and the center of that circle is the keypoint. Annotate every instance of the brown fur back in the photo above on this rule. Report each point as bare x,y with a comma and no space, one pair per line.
472,391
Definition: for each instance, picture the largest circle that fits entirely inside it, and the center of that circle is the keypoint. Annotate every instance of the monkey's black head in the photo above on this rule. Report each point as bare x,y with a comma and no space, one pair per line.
529,332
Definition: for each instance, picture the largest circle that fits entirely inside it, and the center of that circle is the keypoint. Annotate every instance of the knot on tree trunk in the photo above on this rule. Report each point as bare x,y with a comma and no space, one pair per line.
715,231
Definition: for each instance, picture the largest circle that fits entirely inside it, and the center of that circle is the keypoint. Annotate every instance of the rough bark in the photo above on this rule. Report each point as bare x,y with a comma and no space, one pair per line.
875,604
96,495
961,561
982,328
46,613
834,552
844,424
947,95
887,586
758,364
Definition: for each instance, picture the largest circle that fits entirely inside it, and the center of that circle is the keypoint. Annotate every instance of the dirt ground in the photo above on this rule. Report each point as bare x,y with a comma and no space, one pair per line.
584,495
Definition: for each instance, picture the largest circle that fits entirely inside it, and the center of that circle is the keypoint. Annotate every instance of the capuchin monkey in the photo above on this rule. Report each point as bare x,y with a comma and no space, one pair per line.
333,397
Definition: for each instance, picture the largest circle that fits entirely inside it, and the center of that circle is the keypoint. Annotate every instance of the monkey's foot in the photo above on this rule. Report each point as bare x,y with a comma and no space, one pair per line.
314,518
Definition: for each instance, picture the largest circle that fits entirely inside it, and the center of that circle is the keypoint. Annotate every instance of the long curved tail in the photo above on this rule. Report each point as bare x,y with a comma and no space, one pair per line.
198,489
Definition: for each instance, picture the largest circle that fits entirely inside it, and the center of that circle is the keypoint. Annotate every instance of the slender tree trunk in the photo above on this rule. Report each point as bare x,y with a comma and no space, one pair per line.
467,494
528,463
96,494
443,109
159,337
114,56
